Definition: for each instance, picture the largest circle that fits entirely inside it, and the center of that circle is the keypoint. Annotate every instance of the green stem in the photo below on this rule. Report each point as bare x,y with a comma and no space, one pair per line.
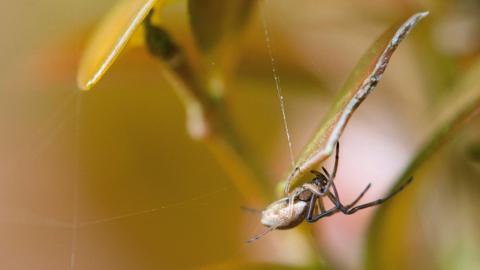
207,121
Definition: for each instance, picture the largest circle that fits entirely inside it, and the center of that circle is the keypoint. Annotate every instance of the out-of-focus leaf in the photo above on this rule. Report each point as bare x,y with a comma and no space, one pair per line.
216,26
258,266
211,20
110,39
360,83
389,233
475,152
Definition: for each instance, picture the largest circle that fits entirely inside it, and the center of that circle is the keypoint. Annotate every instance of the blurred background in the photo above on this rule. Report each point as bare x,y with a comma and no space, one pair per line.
111,179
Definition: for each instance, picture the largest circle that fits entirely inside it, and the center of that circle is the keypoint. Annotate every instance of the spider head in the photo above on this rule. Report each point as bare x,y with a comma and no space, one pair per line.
321,180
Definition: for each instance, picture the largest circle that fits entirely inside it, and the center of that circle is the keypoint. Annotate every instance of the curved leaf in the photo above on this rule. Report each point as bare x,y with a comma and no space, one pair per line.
110,38
360,83
462,106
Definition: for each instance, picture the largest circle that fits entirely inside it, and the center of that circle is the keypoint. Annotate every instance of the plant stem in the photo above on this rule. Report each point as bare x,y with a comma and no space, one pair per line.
208,121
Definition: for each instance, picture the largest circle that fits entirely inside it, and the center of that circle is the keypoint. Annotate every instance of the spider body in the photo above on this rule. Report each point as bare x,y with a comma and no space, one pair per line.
283,215
306,203
290,211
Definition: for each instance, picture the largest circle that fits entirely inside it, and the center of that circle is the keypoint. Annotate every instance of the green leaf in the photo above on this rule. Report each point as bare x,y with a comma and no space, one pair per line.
358,86
110,39
389,231
212,20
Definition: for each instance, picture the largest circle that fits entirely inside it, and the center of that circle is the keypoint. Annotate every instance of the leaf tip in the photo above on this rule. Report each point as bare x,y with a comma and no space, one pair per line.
417,17
423,14
85,84
86,87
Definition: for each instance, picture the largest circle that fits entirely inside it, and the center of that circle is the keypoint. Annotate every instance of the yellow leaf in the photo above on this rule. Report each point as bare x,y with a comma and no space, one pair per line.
110,38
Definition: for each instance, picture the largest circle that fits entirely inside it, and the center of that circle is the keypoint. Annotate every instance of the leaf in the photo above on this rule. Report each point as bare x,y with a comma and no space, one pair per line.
258,266
212,20
110,39
358,86
216,26
460,108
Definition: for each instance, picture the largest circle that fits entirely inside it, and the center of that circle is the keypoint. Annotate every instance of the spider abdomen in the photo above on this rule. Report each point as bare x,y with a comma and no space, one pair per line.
282,215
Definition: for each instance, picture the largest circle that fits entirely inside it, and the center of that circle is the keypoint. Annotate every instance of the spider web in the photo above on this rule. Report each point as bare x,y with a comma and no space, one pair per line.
276,78
47,133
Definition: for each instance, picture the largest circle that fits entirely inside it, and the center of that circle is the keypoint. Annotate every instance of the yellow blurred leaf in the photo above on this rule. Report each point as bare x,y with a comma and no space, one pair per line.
110,39
358,86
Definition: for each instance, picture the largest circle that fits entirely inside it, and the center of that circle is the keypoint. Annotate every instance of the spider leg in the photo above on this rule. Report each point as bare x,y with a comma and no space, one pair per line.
314,203
335,166
290,204
291,199
260,235
251,210
329,182
326,172
335,192
334,172
311,206
336,200
359,196
345,209
379,201
311,218
329,212
313,188
321,206
289,180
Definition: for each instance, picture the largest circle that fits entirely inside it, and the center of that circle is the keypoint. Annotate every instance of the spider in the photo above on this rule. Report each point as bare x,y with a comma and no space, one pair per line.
306,202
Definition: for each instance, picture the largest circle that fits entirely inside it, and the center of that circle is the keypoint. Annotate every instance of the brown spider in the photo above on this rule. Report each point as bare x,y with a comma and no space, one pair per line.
300,205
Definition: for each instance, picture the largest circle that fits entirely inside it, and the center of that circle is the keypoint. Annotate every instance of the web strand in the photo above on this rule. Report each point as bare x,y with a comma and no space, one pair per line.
276,77
152,210
74,237
109,219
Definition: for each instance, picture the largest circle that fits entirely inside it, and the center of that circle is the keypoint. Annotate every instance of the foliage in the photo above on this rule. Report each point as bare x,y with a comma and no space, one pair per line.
216,27
183,127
